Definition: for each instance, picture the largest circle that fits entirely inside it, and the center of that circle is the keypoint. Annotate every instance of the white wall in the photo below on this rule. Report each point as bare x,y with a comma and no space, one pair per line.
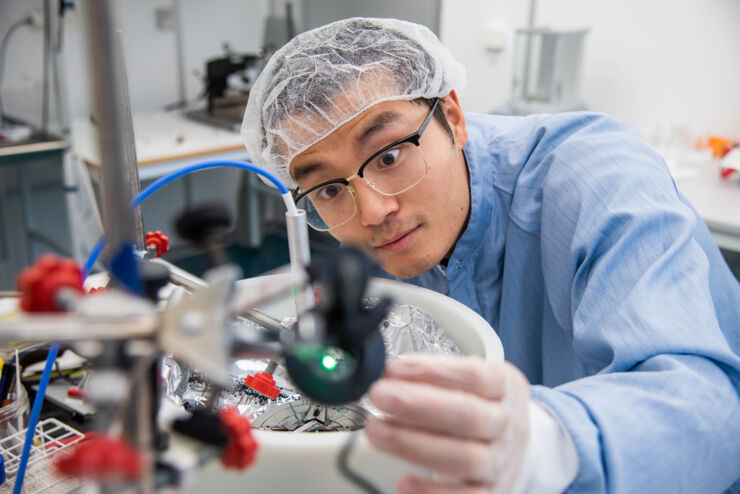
652,63
661,62
150,53
21,90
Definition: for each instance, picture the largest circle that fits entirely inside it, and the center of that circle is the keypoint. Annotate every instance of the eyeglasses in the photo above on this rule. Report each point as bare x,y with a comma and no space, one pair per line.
393,170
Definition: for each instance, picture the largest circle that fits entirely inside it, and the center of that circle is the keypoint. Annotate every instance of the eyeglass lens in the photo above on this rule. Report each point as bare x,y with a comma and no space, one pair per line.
392,172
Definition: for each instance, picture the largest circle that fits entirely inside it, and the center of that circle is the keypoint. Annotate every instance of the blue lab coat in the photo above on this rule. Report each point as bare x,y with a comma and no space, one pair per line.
609,293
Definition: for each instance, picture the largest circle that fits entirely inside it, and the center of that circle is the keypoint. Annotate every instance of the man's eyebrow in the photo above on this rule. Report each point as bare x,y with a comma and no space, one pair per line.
303,171
376,125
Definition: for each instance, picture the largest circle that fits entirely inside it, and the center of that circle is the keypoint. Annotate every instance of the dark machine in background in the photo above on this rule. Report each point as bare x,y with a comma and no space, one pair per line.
227,83
228,79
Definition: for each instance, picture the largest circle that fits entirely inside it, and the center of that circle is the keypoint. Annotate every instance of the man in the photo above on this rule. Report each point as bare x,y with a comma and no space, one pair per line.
619,318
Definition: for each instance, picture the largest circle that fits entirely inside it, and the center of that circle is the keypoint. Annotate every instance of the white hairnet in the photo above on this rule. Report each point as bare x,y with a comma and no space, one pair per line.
325,77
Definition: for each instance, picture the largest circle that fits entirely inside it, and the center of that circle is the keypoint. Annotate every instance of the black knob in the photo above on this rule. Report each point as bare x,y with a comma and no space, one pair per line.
350,328
153,277
343,279
205,224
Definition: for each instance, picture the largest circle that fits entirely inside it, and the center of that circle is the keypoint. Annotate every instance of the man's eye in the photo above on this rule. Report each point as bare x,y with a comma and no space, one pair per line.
328,192
387,159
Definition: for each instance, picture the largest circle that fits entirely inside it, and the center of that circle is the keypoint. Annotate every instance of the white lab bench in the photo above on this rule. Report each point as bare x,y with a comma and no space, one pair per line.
717,201
167,141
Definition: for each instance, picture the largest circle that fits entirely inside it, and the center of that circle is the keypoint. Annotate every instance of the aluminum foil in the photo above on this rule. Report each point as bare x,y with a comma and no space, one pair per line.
409,329
406,329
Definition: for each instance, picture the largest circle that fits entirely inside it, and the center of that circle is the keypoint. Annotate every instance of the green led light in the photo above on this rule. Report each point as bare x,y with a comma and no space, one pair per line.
329,362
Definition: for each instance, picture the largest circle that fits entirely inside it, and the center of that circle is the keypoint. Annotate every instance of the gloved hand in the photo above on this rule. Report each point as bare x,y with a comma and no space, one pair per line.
465,419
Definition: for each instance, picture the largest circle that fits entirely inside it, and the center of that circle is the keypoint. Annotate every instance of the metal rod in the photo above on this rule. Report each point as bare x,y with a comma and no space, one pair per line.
45,69
191,282
107,77
131,163
179,45
300,258
254,219
181,277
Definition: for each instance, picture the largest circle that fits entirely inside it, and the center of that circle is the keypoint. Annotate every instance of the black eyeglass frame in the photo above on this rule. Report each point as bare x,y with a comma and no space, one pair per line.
412,138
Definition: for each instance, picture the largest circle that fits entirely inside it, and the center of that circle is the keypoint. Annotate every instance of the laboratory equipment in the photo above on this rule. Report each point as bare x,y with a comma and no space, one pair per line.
125,330
547,71
312,455
54,440
228,80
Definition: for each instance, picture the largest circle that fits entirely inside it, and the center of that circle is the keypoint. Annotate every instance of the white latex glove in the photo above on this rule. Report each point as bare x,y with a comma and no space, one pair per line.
465,419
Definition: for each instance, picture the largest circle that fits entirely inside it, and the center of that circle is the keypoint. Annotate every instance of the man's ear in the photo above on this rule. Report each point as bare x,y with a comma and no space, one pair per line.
455,118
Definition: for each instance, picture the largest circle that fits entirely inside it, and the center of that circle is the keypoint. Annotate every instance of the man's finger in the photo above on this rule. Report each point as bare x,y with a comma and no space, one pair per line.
413,484
462,459
470,374
444,411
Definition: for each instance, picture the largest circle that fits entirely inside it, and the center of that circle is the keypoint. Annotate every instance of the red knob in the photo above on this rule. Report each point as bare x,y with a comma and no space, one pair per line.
101,458
159,240
241,449
76,393
39,284
262,382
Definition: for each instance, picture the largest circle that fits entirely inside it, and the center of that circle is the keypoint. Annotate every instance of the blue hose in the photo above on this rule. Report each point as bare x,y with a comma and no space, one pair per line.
245,165
93,257
35,412
162,181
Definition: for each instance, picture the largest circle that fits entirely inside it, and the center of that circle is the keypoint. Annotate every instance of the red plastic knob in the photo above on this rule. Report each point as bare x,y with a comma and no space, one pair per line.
76,393
262,382
241,449
102,458
39,284
727,173
159,240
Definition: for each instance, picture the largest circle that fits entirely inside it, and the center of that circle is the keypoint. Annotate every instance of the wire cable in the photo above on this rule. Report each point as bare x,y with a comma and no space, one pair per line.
35,412
186,170
349,474
3,48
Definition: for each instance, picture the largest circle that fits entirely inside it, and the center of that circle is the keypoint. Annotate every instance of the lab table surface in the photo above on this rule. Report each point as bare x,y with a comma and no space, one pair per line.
717,201
39,143
165,141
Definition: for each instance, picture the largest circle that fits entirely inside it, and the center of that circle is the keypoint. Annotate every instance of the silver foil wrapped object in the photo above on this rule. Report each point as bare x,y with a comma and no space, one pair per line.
406,329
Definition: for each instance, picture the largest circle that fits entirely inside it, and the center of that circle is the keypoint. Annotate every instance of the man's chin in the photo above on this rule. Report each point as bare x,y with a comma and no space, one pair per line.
406,268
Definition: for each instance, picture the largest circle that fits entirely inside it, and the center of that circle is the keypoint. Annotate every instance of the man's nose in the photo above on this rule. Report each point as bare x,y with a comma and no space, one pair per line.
373,207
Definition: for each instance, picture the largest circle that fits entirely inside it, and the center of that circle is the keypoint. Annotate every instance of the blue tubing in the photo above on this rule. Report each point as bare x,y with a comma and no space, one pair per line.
245,165
35,412
162,181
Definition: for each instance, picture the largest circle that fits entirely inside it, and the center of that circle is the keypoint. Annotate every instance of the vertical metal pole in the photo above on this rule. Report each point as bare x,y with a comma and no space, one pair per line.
177,6
300,257
254,221
528,49
45,69
532,11
114,126
132,167
107,76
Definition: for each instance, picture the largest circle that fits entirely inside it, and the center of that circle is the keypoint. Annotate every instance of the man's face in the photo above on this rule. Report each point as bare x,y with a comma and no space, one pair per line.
411,232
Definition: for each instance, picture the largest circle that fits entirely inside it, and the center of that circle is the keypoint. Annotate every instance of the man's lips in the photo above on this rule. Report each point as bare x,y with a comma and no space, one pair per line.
397,241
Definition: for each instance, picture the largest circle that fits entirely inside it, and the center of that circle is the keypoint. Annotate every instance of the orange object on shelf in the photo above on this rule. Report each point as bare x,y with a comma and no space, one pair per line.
720,146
